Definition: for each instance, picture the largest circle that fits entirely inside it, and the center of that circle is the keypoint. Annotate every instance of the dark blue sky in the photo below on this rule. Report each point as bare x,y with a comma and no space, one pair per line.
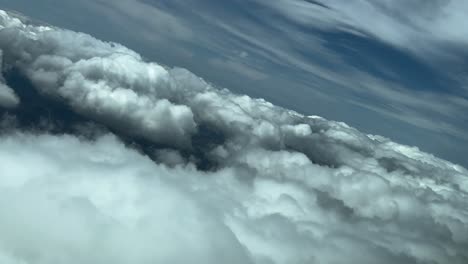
395,68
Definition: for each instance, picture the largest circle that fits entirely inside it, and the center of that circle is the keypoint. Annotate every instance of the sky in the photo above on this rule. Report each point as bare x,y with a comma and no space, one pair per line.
393,68
109,154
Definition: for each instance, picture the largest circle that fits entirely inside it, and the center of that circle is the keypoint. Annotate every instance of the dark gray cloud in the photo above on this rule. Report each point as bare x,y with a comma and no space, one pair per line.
8,98
162,167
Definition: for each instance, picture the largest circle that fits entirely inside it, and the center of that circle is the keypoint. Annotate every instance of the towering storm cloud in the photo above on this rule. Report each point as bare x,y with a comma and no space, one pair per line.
108,158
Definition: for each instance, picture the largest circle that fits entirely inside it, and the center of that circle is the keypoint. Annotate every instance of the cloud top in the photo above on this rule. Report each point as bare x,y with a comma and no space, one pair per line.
280,187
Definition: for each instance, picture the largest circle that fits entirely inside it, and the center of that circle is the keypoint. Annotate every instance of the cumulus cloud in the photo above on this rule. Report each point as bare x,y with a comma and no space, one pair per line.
98,79
210,176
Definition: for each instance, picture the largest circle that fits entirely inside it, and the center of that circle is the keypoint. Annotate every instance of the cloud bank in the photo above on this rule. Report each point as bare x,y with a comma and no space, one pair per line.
306,66
161,167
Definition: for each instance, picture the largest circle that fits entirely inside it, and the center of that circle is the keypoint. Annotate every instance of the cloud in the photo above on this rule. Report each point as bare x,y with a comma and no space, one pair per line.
238,67
102,203
80,200
8,98
95,79
185,172
147,20
304,66
334,67
424,33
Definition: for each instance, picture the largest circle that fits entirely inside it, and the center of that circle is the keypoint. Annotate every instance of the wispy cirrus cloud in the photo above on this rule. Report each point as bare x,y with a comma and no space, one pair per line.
426,33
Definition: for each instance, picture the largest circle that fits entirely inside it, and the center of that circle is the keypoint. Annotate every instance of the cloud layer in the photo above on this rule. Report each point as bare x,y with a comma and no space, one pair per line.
305,55
277,187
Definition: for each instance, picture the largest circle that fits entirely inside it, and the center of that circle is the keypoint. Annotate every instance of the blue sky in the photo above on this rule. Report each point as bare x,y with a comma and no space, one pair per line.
393,67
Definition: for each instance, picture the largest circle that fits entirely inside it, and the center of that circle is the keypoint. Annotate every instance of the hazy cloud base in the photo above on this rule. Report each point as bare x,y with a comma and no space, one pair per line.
227,179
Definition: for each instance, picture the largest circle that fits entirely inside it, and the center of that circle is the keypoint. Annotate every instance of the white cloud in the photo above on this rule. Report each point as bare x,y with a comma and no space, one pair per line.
423,27
284,57
100,202
285,188
105,81
93,201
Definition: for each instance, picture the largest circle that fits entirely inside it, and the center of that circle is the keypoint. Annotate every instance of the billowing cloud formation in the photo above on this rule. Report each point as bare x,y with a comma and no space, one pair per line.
276,187
104,81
